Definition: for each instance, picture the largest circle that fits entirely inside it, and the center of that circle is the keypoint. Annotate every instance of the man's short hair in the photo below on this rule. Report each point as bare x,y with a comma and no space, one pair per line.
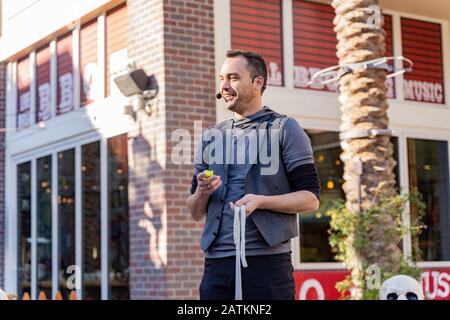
255,64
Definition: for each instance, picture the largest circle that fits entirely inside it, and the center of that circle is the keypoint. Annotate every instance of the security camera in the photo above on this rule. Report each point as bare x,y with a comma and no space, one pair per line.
131,83
139,88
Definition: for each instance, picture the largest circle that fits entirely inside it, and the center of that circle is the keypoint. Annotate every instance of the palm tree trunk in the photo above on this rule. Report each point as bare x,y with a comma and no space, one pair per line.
363,96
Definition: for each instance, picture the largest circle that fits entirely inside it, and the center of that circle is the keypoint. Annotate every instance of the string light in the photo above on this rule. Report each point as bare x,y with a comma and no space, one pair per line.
330,184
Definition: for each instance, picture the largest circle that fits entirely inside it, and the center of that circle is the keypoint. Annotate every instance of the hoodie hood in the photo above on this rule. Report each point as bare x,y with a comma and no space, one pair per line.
256,117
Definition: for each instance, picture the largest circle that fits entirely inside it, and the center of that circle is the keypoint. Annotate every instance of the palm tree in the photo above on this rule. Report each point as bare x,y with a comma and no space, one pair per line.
363,96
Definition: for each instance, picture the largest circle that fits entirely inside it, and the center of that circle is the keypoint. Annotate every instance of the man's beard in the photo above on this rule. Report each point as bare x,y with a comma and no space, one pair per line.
239,104
236,106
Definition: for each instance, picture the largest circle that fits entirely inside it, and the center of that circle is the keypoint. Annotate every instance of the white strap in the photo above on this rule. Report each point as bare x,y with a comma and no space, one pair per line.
239,241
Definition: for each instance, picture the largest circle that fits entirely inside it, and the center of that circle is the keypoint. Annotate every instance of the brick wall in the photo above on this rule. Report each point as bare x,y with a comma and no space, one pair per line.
174,41
2,170
146,142
190,78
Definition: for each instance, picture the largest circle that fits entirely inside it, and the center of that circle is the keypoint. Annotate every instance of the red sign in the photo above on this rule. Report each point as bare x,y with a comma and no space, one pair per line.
23,93
422,43
318,285
321,285
315,44
116,46
390,83
43,84
88,62
65,98
256,26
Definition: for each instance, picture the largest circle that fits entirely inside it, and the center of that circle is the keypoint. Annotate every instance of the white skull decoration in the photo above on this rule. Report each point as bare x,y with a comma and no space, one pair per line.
401,287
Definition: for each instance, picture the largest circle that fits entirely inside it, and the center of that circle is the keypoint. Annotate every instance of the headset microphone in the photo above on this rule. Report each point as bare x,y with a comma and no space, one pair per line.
219,95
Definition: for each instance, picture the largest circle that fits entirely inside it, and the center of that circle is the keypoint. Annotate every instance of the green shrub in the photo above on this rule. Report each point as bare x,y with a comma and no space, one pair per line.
349,236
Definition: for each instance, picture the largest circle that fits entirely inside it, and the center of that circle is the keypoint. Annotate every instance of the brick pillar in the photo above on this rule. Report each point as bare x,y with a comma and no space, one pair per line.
174,40
2,170
190,85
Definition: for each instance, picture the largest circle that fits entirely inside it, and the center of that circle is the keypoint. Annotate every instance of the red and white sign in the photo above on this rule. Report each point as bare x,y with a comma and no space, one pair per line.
315,44
116,46
390,83
318,285
321,285
43,102
422,43
23,93
257,26
116,63
65,98
88,63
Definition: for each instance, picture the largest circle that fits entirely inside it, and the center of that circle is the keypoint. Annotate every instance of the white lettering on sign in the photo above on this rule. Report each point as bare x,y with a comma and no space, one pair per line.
435,284
23,116
311,284
302,75
275,76
44,101
66,92
23,119
423,91
25,101
390,87
90,81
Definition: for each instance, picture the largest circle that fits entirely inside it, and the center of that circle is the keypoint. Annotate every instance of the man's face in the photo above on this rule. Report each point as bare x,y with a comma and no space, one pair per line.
236,84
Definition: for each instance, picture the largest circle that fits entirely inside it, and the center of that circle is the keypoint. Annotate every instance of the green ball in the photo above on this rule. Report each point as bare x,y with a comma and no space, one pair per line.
209,173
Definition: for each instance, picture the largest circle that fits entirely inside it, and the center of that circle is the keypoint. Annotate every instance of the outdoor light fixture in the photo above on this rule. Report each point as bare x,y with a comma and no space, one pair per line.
139,88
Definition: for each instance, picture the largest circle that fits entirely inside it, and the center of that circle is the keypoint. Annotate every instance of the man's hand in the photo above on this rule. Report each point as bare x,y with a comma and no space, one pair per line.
251,202
198,202
206,186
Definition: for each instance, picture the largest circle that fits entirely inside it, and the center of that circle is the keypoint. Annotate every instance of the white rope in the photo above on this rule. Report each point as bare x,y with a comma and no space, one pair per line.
239,242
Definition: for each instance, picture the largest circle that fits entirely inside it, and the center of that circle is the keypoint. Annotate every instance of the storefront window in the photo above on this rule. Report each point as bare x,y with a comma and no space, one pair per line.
91,221
24,228
66,217
314,226
90,175
428,171
44,225
118,218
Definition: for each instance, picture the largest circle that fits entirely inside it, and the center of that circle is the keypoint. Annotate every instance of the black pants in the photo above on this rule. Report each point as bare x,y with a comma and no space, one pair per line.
267,277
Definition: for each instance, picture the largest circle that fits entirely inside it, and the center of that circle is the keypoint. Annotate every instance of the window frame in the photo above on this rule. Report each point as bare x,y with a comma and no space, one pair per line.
75,143
402,134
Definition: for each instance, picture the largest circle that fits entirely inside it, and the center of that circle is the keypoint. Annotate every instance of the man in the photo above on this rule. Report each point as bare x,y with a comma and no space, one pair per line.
271,200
